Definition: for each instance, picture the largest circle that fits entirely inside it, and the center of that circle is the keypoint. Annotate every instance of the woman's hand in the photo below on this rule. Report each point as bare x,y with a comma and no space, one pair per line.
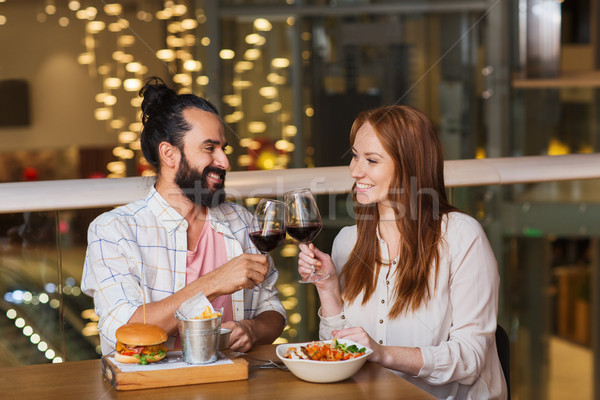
311,258
404,359
359,335
329,289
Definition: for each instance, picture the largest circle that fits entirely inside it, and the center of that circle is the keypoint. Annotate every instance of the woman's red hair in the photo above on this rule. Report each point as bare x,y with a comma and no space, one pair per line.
418,195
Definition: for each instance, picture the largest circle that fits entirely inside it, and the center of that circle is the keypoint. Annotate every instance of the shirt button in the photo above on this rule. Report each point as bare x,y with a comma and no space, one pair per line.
381,342
387,282
381,321
394,262
343,317
382,301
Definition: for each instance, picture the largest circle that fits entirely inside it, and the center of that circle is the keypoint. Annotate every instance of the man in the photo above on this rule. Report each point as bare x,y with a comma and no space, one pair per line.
183,238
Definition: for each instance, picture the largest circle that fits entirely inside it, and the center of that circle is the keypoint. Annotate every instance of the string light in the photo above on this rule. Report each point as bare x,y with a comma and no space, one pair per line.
202,80
133,67
252,54
280,63
112,82
257,126
50,9
116,124
103,114
272,107
95,26
113,9
192,65
255,39
262,24
132,84
126,40
74,5
189,24
123,72
290,130
85,58
240,84
243,66
166,54
227,54
268,91
110,100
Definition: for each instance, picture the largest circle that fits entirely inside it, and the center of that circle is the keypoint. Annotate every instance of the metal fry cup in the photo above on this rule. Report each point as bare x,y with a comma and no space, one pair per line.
224,338
199,339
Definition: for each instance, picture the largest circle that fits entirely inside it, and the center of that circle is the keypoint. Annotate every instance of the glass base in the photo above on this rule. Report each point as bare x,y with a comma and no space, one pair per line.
314,277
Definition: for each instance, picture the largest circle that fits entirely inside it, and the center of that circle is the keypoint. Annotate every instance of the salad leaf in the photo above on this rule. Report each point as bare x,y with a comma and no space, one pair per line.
348,349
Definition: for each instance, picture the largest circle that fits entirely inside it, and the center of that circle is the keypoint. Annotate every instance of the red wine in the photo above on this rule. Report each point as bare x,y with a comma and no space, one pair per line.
267,241
304,233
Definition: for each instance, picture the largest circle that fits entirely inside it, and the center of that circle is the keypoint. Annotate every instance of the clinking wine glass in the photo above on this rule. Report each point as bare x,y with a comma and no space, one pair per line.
303,223
268,225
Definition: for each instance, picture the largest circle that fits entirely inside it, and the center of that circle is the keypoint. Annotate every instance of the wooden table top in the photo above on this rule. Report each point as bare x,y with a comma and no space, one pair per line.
84,380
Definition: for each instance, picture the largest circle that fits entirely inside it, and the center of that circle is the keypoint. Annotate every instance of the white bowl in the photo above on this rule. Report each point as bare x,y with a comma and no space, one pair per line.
322,371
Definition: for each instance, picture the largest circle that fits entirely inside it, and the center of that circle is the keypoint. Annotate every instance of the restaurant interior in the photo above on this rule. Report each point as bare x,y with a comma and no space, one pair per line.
498,78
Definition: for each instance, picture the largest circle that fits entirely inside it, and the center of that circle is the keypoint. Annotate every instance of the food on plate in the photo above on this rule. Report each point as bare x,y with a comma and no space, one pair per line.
140,343
208,313
320,351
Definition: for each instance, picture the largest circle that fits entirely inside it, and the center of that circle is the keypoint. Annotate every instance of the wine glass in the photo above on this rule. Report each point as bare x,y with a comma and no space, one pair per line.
268,225
303,223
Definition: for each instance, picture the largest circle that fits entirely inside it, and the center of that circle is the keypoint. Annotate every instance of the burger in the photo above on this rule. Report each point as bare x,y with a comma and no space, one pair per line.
140,343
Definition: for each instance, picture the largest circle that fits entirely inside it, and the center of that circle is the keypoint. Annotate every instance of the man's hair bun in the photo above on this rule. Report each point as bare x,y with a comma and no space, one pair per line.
156,95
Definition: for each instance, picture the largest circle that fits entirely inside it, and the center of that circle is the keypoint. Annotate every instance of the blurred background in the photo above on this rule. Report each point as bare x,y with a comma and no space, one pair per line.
499,79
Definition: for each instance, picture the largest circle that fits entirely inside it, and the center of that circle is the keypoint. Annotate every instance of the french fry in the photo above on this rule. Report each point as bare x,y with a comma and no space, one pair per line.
208,313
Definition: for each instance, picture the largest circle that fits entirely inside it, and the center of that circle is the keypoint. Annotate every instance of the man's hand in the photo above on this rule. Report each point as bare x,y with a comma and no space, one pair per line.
263,329
241,272
241,338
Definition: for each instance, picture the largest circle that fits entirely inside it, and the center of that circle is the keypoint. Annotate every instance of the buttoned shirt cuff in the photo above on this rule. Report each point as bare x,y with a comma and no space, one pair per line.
329,324
428,362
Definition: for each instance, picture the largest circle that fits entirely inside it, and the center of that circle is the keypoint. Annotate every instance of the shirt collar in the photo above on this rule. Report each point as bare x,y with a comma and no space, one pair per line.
163,211
378,235
172,219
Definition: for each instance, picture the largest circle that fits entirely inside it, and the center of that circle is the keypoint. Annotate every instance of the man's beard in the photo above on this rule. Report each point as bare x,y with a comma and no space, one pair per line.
194,185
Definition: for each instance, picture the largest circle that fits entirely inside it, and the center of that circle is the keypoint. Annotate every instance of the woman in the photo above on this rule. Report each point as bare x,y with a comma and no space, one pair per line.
415,279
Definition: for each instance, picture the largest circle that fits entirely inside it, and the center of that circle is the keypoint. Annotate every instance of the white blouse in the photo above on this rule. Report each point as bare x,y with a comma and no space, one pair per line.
455,330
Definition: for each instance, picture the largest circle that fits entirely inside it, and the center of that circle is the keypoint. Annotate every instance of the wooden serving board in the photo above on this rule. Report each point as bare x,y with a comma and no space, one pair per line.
174,375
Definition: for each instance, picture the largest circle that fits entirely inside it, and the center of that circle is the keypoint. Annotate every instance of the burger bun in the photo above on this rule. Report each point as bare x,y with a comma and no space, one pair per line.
136,334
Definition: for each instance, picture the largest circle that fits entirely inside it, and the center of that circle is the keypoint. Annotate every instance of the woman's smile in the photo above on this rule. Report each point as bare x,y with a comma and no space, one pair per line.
363,187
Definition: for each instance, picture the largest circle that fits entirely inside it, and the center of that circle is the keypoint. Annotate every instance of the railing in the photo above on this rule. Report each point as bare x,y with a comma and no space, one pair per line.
95,193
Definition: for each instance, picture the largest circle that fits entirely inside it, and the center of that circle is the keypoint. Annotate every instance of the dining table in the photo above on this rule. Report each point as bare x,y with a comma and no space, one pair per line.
85,380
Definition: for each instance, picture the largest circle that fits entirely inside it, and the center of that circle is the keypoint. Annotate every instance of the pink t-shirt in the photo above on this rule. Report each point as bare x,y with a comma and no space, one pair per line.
209,254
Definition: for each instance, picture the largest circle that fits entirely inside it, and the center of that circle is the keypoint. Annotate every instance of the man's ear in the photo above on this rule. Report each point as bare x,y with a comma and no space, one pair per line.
169,155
